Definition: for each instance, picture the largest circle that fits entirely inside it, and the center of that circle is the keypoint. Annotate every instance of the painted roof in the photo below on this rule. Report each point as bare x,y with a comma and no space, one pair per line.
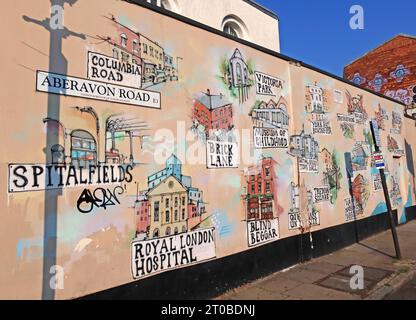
217,101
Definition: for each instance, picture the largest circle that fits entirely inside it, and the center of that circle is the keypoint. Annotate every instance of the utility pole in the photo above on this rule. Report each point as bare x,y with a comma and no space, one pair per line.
376,138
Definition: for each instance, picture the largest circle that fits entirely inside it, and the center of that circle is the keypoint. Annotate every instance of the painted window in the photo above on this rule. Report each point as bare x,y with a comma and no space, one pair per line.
156,233
183,214
135,50
123,40
156,215
83,148
167,214
167,231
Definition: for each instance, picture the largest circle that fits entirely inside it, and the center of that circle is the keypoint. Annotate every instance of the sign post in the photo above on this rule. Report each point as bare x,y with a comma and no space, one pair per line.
378,158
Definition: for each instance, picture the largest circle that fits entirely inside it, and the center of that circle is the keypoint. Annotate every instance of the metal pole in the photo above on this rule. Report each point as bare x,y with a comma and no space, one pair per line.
388,203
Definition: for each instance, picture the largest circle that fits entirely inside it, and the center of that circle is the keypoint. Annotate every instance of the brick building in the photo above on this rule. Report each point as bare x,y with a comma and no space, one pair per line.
212,112
389,69
259,199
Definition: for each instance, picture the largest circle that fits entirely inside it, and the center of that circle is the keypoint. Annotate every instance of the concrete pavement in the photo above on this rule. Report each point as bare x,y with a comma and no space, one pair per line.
328,277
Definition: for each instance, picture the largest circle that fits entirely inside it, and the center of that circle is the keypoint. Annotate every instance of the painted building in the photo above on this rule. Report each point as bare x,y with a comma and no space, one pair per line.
239,73
316,100
389,69
270,114
304,146
326,160
152,54
212,112
168,204
126,44
260,197
142,209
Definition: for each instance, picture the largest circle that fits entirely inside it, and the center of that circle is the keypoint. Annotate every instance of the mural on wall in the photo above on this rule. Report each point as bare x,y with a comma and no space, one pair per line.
332,172
305,148
355,205
357,115
270,124
394,147
396,122
360,156
168,218
316,99
356,107
400,73
406,96
133,53
212,123
303,213
394,192
260,202
381,116
377,83
237,75
212,116
358,79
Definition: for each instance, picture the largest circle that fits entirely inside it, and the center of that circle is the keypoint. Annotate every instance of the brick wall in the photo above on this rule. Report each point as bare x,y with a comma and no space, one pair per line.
379,69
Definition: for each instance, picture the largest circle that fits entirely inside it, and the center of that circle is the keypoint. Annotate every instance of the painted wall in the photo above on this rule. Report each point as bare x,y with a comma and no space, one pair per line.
81,167
389,69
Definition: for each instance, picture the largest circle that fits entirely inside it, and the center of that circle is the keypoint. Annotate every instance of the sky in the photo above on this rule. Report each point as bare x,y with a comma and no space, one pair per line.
318,32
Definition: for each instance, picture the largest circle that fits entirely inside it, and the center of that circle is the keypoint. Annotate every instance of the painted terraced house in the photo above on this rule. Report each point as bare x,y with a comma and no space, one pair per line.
135,48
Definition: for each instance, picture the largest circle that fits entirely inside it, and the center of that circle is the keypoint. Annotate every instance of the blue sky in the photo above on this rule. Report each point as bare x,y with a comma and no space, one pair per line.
318,32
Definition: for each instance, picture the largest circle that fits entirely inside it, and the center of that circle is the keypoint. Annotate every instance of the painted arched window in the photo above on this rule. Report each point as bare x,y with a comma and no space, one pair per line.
156,233
239,71
183,229
123,40
83,148
167,233
176,230
135,48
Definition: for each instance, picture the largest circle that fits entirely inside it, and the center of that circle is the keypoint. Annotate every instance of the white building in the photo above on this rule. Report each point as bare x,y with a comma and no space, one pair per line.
316,104
244,19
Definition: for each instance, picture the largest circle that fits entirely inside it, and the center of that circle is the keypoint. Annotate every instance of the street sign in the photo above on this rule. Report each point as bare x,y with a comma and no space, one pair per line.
379,160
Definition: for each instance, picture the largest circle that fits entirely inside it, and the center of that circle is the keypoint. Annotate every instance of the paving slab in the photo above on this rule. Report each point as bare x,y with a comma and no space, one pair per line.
314,292
322,266
278,284
304,275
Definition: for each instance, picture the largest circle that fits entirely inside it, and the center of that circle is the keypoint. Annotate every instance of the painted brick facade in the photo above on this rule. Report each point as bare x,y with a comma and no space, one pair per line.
389,69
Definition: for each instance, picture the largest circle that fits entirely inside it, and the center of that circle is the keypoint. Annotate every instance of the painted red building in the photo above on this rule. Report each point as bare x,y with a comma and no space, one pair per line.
126,44
260,197
213,112
389,69
142,215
